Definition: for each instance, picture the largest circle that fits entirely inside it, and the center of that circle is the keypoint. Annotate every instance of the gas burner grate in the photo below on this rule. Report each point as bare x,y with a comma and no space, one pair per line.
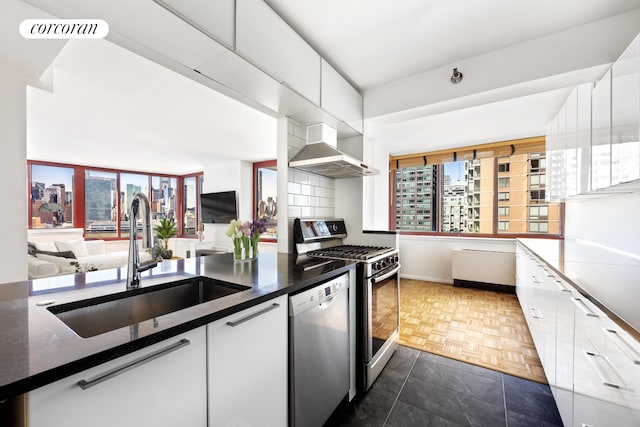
354,252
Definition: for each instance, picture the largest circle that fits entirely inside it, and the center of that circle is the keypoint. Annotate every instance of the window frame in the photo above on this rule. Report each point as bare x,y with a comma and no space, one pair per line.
79,219
394,165
254,214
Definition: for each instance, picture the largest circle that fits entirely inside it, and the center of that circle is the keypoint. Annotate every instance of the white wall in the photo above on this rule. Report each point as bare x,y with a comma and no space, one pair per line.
608,221
226,176
13,176
429,257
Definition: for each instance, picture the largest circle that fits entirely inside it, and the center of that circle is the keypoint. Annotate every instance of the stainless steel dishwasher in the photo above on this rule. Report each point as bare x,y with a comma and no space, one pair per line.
319,351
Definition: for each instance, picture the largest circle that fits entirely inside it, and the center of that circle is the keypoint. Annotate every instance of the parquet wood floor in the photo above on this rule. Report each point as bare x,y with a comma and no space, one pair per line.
481,327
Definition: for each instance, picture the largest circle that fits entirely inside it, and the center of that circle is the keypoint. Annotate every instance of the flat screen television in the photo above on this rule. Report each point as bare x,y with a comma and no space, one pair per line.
219,207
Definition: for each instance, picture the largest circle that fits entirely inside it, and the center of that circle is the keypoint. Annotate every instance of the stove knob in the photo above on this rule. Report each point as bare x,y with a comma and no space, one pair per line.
395,259
377,266
384,263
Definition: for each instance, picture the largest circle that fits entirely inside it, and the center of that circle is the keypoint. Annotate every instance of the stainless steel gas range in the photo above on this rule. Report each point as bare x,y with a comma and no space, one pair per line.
377,291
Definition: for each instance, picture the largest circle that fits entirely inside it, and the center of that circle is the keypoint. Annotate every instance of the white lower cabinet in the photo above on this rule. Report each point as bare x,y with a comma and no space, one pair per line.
593,366
160,385
247,357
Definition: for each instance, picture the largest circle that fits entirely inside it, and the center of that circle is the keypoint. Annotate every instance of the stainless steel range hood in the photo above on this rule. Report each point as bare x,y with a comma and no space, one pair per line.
321,156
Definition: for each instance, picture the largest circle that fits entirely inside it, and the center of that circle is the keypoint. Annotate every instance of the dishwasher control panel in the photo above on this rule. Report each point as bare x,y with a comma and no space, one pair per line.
317,295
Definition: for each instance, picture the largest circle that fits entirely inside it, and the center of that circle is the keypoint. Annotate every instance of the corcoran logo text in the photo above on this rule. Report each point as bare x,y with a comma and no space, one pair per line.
64,29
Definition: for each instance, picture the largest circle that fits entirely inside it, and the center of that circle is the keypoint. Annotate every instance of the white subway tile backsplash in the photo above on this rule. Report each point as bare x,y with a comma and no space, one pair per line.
294,188
294,211
314,179
300,200
309,194
324,212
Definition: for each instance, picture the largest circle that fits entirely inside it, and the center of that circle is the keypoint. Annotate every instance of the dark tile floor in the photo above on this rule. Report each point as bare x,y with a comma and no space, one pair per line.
422,389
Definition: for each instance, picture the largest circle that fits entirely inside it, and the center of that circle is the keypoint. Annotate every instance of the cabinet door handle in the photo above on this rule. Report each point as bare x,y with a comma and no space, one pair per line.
583,307
256,314
595,362
84,384
536,313
534,279
561,286
626,348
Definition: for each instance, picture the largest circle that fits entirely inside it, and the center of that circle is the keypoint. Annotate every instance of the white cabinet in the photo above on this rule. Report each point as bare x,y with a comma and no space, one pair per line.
601,133
592,365
625,116
214,18
339,98
583,142
160,385
267,41
247,357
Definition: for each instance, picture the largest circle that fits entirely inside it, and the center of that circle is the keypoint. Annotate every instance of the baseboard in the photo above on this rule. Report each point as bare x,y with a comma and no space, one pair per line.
426,279
486,286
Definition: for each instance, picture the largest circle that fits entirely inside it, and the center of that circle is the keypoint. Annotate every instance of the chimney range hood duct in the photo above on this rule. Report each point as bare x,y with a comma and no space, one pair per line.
320,156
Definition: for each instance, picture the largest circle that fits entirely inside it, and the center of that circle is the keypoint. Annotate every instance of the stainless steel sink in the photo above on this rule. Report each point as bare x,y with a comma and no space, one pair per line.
96,316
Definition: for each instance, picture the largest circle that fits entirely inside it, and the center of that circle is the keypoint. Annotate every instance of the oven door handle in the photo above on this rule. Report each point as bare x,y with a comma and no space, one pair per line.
385,276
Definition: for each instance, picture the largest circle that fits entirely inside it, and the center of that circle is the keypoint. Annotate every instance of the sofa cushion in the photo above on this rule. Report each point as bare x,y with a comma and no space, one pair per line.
61,254
41,268
63,264
95,247
46,246
78,247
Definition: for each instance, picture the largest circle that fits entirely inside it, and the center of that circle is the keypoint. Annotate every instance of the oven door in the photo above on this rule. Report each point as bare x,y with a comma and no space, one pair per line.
381,320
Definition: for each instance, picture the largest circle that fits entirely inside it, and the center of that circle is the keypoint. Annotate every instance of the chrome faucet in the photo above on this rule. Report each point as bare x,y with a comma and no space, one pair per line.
139,208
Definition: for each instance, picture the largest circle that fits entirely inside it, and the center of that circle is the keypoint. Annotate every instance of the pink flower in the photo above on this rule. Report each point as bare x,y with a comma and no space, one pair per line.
246,228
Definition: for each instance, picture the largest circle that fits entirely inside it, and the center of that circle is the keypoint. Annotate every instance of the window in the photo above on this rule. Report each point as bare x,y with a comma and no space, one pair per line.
100,204
536,195
103,198
51,196
538,211
537,180
190,203
456,192
266,197
538,227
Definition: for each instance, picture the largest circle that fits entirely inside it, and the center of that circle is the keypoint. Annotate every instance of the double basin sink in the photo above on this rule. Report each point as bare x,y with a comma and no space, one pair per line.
95,316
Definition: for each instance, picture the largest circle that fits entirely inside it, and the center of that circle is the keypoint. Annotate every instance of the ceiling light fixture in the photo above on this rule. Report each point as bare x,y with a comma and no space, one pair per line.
456,77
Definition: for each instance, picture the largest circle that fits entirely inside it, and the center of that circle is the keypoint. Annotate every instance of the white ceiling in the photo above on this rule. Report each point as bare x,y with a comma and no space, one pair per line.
112,108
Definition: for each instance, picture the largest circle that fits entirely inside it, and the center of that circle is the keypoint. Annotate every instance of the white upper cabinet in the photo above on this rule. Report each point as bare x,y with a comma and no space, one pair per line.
625,116
144,27
214,18
339,98
584,136
601,134
267,41
571,144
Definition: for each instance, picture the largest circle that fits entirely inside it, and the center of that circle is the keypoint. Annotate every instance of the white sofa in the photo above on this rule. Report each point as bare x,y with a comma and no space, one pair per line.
75,256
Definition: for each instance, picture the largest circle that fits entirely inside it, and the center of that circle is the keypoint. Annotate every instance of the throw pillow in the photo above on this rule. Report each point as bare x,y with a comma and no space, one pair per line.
61,254
78,247
31,248
46,246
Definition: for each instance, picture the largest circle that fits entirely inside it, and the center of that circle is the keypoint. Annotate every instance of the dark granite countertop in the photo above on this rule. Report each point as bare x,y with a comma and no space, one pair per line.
36,348
609,279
